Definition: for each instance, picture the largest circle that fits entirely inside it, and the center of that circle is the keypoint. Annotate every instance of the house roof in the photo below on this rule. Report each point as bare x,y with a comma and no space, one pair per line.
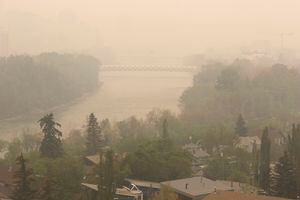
225,195
95,159
249,140
119,191
236,186
196,186
90,186
195,150
142,183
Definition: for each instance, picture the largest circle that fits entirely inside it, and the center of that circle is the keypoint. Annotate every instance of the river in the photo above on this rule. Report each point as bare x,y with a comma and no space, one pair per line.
120,95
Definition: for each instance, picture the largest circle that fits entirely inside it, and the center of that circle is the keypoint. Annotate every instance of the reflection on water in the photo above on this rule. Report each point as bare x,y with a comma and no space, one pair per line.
123,94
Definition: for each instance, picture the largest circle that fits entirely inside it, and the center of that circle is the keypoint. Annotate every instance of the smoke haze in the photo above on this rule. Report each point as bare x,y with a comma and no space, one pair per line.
152,28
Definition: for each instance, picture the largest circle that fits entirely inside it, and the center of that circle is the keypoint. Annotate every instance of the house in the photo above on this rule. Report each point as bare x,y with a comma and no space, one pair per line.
147,187
225,195
196,188
92,160
199,156
6,182
91,190
247,143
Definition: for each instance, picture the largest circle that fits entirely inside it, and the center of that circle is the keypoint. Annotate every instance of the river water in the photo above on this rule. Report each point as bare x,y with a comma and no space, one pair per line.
120,95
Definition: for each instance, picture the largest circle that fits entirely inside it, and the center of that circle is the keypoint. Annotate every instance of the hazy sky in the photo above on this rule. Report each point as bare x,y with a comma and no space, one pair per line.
168,27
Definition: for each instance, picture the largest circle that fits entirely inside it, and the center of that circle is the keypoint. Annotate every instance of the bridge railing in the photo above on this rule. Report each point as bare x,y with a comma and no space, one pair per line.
114,68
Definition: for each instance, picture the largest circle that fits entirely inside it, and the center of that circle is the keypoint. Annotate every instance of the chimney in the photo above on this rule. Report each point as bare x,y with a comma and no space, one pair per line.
186,186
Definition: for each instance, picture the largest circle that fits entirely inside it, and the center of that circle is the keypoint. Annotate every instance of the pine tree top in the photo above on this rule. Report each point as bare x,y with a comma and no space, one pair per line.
240,127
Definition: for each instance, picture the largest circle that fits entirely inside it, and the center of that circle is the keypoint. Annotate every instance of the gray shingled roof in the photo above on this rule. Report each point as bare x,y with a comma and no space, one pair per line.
142,183
196,186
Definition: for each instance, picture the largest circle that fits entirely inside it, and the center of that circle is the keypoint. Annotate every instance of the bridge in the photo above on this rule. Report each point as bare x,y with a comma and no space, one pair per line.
148,68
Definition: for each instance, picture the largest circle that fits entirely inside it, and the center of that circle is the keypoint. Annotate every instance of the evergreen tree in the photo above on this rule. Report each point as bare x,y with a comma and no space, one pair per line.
46,192
255,164
165,133
264,169
109,178
240,127
51,145
95,139
283,178
23,181
294,149
106,176
165,140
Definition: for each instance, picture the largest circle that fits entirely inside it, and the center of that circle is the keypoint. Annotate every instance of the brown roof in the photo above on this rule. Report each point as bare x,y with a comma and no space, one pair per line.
95,159
225,195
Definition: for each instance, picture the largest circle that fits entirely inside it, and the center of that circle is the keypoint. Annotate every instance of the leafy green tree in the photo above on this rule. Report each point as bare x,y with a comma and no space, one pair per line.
154,163
219,93
108,131
94,138
3,145
30,142
51,145
74,144
166,142
27,82
228,79
47,189
232,164
283,178
23,189
62,178
240,127
264,169
14,149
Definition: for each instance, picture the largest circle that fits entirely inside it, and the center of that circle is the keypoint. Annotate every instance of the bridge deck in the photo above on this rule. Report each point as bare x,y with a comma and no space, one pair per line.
114,68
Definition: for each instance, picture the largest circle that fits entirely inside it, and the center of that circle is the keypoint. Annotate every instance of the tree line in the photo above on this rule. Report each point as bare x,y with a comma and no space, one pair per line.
263,95
33,83
53,168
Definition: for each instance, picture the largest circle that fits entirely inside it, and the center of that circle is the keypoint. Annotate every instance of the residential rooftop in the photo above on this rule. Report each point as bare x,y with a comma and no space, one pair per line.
141,183
196,186
119,191
225,195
